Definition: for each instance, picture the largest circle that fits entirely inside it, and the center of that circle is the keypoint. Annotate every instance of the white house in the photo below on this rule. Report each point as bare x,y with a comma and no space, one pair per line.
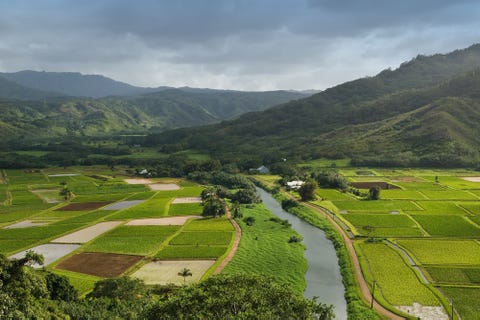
295,184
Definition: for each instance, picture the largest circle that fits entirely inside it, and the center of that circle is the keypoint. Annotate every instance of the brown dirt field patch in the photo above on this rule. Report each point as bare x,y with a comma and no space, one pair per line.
164,186
471,179
406,179
369,184
50,252
105,265
25,224
83,206
187,200
169,221
89,233
166,271
138,181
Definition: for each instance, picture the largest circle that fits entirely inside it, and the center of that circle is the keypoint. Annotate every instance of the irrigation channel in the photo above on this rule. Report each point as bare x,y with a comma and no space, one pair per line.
323,275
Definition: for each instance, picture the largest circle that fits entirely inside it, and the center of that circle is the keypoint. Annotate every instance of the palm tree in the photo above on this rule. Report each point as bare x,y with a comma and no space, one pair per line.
185,273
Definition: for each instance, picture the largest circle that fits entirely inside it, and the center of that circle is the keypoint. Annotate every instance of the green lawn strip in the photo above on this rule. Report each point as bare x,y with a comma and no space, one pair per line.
14,240
447,226
84,283
135,240
441,251
378,205
86,217
475,192
104,197
380,220
185,209
10,246
141,195
48,195
454,275
392,232
193,191
155,207
89,188
440,207
465,301
455,182
53,216
398,284
264,249
191,252
332,194
327,205
472,207
402,195
198,238
420,186
475,219
449,195
38,233
209,224
7,217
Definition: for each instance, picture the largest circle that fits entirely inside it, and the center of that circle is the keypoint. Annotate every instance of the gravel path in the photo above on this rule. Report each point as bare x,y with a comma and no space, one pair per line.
169,221
364,287
89,233
236,242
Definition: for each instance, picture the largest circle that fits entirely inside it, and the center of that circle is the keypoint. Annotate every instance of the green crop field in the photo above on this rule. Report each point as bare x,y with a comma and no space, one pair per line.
471,207
218,238
379,205
209,224
265,247
185,209
380,220
402,195
455,275
449,195
465,301
331,194
402,289
136,240
154,207
437,251
191,252
447,226
440,207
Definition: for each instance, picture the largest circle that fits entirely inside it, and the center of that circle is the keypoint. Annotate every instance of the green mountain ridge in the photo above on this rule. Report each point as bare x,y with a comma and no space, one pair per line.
426,107
158,111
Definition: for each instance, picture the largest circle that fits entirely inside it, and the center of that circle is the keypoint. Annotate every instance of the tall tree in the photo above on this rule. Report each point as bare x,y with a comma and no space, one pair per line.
185,273
307,190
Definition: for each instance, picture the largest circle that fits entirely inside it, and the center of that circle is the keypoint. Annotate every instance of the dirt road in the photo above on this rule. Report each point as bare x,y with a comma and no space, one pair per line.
364,287
236,242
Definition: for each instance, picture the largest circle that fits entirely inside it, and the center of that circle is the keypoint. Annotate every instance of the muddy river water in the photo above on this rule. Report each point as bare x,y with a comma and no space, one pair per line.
323,275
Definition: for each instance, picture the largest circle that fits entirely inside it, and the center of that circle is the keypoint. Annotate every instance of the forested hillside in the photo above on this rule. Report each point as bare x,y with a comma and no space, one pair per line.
421,113
168,109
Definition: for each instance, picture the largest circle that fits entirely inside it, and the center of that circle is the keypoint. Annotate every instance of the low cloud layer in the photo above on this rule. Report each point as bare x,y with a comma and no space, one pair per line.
236,44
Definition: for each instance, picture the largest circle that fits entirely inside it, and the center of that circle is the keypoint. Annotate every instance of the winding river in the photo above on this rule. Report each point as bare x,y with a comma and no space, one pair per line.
323,275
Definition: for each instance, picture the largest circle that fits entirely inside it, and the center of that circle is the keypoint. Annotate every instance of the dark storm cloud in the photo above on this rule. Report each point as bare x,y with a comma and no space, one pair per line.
250,44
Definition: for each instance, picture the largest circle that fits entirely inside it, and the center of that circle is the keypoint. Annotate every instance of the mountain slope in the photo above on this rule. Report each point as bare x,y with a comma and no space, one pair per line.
158,111
74,84
331,122
10,90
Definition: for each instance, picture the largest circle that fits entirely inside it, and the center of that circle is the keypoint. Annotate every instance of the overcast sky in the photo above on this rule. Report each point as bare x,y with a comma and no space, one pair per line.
230,44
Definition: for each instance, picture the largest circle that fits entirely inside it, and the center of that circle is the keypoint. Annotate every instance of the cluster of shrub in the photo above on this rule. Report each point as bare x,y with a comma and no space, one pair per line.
29,294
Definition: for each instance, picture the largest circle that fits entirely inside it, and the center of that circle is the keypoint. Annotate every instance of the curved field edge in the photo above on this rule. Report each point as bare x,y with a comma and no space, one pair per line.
412,286
265,249
357,308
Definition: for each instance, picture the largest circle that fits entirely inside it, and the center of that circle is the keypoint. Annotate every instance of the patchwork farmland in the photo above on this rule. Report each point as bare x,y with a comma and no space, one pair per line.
109,227
419,244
